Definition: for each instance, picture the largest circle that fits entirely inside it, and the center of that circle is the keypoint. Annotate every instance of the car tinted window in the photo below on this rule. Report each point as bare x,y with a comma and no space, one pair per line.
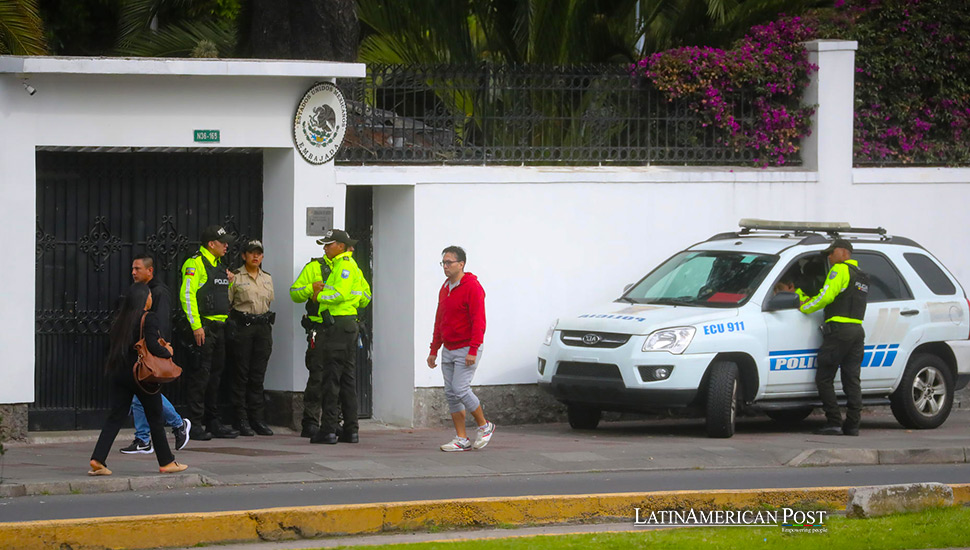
885,283
931,274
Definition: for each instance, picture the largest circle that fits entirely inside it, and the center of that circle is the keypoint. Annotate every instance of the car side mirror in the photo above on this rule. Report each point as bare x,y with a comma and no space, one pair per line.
783,300
627,287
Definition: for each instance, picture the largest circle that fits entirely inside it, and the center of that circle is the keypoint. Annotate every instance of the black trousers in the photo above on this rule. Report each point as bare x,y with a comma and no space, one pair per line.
842,348
121,387
340,375
313,394
252,346
204,374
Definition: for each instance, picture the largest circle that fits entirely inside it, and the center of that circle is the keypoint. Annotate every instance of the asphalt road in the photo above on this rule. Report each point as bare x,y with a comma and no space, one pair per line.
212,499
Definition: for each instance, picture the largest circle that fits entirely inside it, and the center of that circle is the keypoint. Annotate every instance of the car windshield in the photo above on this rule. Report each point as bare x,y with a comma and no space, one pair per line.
703,279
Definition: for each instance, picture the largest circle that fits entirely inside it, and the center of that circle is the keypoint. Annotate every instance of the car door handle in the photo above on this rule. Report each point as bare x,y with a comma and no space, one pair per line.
909,312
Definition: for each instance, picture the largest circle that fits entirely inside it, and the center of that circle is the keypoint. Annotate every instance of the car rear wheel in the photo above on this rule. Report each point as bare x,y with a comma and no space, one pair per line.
925,394
723,389
582,417
790,416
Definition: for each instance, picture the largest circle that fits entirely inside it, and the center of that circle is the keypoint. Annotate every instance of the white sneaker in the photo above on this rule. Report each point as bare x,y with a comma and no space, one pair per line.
484,435
457,444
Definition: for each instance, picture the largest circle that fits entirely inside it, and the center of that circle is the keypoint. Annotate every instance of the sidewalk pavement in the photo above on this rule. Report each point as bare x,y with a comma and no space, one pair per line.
56,463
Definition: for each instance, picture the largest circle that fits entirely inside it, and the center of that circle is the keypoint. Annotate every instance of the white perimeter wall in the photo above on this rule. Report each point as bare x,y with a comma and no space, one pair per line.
548,242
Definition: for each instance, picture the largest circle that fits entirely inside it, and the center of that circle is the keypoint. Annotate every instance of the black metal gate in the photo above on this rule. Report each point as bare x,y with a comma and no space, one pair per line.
360,226
95,212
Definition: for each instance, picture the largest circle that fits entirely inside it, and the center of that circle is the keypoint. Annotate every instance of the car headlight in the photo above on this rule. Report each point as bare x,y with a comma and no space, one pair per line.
674,340
552,330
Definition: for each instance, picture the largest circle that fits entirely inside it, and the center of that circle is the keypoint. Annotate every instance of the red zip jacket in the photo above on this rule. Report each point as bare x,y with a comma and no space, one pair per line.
460,319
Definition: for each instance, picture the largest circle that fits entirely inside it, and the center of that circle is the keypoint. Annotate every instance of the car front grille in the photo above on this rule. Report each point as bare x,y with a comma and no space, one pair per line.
589,370
589,339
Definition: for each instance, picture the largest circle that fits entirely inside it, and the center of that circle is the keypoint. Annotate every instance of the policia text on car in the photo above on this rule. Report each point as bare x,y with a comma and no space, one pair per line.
334,288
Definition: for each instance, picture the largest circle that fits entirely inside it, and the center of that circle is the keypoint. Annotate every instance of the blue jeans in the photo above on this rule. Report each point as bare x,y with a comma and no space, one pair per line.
142,431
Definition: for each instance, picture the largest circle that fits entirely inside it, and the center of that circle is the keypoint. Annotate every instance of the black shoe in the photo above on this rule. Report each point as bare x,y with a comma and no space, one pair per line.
198,433
221,431
309,431
326,438
182,434
260,427
850,431
244,429
138,447
348,437
829,430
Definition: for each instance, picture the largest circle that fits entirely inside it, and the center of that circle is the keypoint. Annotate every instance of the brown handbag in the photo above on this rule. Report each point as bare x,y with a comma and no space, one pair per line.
153,370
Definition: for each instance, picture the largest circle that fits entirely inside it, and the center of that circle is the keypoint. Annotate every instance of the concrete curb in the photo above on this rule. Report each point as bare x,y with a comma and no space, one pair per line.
838,457
91,485
279,524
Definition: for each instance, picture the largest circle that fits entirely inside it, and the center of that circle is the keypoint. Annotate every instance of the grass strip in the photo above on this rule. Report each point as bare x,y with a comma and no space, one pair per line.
934,528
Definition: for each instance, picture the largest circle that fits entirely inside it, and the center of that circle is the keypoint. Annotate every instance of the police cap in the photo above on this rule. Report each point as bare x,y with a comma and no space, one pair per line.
216,233
336,236
838,243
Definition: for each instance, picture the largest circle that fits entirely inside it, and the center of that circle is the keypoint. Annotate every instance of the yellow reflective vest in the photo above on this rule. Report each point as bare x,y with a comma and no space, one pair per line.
836,282
344,290
195,276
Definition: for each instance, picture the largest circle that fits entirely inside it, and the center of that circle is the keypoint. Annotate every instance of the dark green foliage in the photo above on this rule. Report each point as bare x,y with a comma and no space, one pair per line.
912,78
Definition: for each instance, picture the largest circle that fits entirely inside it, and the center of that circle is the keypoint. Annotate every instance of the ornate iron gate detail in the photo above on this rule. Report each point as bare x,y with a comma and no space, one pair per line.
95,212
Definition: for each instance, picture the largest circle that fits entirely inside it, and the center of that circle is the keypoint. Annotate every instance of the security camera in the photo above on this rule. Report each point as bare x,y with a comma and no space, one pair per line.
30,89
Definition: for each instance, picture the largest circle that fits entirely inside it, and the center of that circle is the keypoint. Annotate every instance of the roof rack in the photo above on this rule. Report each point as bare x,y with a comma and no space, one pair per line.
831,228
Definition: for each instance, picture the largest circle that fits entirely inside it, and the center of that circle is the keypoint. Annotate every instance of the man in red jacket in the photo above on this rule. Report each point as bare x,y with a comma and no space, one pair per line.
459,324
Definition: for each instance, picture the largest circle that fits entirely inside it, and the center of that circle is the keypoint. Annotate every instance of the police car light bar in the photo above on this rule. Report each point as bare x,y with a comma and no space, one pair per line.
780,225
748,224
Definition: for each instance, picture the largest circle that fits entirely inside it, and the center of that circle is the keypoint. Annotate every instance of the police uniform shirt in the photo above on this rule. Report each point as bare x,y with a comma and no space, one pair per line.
250,294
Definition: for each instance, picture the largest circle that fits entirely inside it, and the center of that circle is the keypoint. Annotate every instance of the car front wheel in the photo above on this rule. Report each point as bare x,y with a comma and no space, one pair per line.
723,389
925,394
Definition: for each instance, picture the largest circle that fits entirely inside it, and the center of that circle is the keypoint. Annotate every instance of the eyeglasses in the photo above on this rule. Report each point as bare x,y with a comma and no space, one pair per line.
446,263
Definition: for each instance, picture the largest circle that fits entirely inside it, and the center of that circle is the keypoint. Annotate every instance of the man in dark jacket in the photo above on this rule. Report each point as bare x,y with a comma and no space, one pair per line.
459,325
143,271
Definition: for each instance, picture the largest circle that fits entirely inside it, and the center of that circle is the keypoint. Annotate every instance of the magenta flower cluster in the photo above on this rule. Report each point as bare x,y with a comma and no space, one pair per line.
912,80
766,70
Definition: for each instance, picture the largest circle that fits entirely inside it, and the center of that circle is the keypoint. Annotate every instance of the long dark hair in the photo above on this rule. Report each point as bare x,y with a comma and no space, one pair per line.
126,318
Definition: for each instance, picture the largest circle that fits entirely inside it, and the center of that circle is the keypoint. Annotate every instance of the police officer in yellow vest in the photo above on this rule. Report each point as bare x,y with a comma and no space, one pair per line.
204,296
336,285
844,296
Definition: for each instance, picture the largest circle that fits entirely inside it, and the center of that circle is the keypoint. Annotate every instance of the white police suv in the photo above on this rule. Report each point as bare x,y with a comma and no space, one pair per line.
714,332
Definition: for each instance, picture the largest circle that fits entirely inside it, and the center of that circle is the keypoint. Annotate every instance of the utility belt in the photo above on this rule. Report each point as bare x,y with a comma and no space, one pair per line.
247,319
831,327
327,321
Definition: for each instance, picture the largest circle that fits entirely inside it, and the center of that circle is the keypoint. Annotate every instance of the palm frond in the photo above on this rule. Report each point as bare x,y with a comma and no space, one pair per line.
21,29
179,40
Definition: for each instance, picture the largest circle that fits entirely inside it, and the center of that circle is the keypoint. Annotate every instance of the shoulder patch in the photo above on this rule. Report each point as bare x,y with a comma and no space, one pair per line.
189,271
833,274
345,273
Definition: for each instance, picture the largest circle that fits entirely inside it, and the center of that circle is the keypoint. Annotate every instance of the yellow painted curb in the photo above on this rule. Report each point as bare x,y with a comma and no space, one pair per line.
276,524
